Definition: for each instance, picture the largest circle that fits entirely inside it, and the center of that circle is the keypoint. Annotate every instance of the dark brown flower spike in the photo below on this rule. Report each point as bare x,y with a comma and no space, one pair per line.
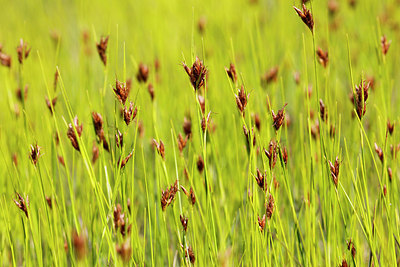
184,222
205,121
23,51
278,118
56,75
306,17
95,152
160,148
261,222
390,127
241,99
168,195
322,110
120,221
50,105
102,48
270,76
315,130
197,73
187,126
71,133
79,244
285,155
22,204
335,170
350,247
121,91
150,89
231,72
5,59
322,57
119,139
98,129
189,194
125,160
49,202
182,142
130,114
271,153
124,251
61,160
385,44
379,152
260,180
257,121
270,206
344,263
21,94
200,164
143,73
34,153
189,254
390,173
360,97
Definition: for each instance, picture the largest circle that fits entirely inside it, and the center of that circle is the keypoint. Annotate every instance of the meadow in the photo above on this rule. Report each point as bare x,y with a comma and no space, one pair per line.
179,133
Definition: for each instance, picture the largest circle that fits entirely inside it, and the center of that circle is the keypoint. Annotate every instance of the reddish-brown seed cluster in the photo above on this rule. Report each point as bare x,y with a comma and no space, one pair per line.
150,89
390,127
79,244
121,91
22,95
257,121
322,110
22,204
241,99
285,155
379,152
23,51
187,126
351,248
124,251
270,206
34,153
160,148
205,121
50,104
197,73
322,57
260,179
168,195
271,153
49,202
306,17
201,24
102,49
247,135
71,133
202,103
119,139
385,44
261,222
278,118
182,142
184,222
359,98
190,254
125,160
344,263
121,221
335,170
315,130
231,72
189,194
5,59
130,113
270,76
390,173
98,129
143,73
200,164
95,152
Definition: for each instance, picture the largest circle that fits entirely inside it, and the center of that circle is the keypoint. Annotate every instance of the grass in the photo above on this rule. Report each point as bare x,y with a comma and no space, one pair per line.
328,199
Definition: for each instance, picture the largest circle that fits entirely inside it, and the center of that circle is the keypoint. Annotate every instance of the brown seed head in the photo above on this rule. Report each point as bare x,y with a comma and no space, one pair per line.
241,99
385,44
5,59
119,139
197,73
22,204
285,155
130,114
200,164
61,160
390,127
121,91
143,73
322,110
49,202
270,206
379,152
150,89
34,153
125,160
79,244
231,72
187,126
201,24
102,48
322,57
306,17
184,222
160,148
205,121
168,195
50,104
260,180
333,7
21,94
95,152
23,51
190,255
124,251
271,153
182,142
202,103
71,133
278,118
257,121
335,170
270,76
360,97
261,222
390,173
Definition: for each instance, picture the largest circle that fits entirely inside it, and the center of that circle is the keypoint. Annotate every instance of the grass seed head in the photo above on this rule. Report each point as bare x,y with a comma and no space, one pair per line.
231,72
22,204
150,89
182,142
200,164
119,139
385,44
71,133
130,114
202,103
5,59
21,94
34,154
306,17
49,202
160,148
270,206
125,160
23,51
184,222
271,153
79,244
143,73
278,118
379,152
261,222
270,76
390,173
187,126
322,57
197,73
335,170
124,251
102,49
95,153
50,104
168,195
260,180
121,91
390,127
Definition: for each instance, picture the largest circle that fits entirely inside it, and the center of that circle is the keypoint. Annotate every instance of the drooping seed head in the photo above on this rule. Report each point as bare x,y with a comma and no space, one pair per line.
306,17
278,118
102,49
231,72
322,57
197,73
34,153
143,73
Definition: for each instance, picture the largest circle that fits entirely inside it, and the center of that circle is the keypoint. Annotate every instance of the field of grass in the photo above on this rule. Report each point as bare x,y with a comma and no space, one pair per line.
218,133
